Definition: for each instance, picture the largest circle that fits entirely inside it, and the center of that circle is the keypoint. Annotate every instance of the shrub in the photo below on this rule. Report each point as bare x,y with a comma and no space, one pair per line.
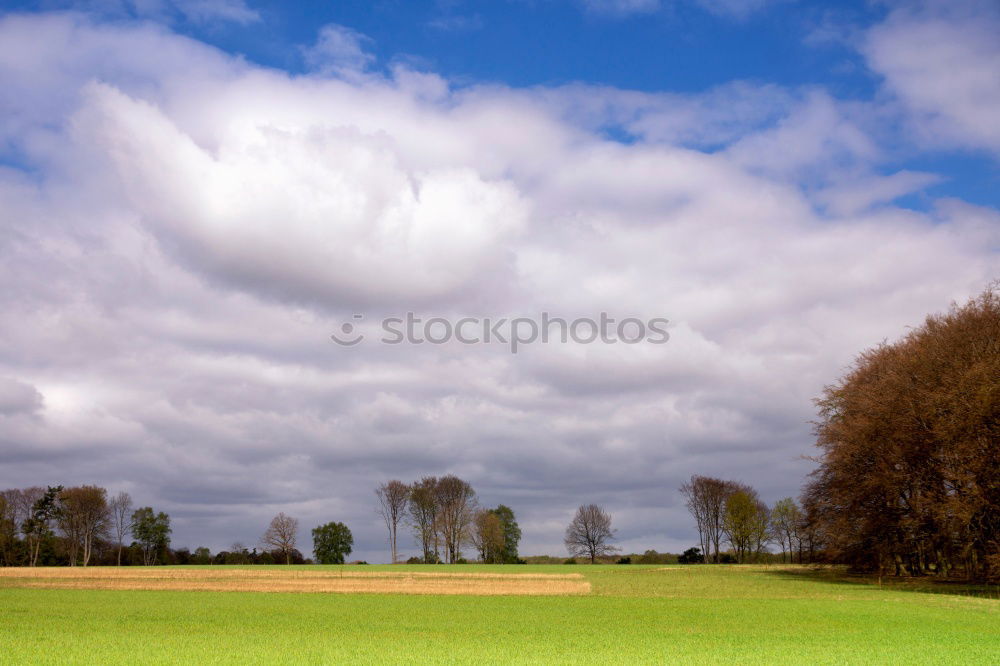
624,560
691,556
570,561
653,557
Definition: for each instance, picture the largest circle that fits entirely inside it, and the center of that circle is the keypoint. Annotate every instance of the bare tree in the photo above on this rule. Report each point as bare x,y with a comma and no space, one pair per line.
5,521
589,532
238,554
423,515
83,518
456,501
392,500
706,500
121,519
487,536
18,503
785,520
280,535
694,496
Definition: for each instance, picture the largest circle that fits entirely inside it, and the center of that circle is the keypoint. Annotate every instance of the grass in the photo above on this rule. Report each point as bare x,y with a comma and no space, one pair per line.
633,614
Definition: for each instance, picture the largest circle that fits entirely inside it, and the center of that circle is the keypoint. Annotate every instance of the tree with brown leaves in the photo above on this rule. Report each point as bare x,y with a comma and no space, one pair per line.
908,475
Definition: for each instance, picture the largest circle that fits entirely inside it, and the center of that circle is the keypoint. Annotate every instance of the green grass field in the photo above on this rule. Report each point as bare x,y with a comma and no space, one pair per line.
634,614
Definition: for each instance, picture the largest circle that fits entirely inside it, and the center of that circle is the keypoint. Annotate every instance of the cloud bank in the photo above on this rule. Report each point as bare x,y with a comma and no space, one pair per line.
182,230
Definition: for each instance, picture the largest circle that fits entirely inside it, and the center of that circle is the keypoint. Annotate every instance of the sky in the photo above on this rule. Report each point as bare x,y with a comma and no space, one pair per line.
196,194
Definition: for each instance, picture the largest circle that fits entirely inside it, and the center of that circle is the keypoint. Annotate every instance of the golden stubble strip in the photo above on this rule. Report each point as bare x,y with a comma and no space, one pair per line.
291,580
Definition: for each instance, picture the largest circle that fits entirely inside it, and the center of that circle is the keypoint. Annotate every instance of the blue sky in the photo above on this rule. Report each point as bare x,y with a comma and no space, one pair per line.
196,193
683,47
653,46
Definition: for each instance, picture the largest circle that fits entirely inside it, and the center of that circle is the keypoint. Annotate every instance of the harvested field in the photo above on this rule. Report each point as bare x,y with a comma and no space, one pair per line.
293,580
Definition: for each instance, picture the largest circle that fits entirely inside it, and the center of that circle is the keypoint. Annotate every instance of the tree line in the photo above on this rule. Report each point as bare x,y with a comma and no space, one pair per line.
908,479
444,516
730,513
83,525
78,525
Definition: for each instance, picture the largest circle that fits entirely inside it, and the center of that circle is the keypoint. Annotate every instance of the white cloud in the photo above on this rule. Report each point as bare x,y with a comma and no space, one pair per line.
941,61
853,193
339,49
203,12
816,135
737,9
621,7
355,226
207,11
731,9
193,227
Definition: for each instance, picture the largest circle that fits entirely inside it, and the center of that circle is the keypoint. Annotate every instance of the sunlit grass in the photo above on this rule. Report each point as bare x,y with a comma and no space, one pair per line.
635,614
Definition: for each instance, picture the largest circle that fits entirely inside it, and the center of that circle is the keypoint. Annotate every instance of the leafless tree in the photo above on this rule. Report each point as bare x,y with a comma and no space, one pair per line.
456,501
83,518
393,497
487,536
121,519
786,517
280,535
17,509
423,516
238,554
589,532
706,500
8,529
694,497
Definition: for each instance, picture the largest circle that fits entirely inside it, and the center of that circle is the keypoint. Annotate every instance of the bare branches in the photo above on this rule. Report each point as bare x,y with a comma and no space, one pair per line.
121,519
456,501
281,535
393,498
589,532
83,518
423,516
706,500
